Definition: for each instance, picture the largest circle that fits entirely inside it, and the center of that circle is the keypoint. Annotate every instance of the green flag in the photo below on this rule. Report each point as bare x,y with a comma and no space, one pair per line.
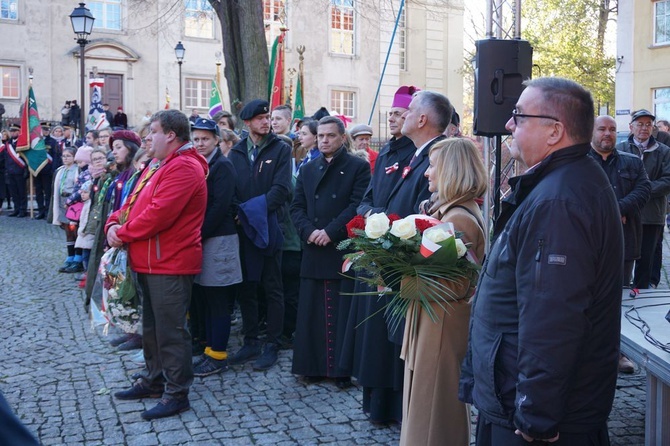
299,105
30,144
215,104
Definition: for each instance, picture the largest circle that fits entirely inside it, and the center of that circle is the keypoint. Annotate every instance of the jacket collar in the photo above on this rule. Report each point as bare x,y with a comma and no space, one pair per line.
337,156
522,185
596,156
652,144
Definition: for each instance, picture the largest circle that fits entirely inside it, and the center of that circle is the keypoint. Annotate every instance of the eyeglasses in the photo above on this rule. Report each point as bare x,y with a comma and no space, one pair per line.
645,125
516,115
96,159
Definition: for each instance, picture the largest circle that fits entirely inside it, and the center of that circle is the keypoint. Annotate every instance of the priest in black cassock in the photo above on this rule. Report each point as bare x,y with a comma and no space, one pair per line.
327,193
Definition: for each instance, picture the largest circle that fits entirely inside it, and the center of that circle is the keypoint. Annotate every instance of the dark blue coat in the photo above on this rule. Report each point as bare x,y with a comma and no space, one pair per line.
51,146
387,174
544,332
220,212
409,192
12,166
326,197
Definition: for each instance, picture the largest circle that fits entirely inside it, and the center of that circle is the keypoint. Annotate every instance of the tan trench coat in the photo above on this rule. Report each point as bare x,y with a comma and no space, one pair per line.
433,352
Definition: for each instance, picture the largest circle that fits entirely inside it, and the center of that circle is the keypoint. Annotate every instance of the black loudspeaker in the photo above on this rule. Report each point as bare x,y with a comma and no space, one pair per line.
500,68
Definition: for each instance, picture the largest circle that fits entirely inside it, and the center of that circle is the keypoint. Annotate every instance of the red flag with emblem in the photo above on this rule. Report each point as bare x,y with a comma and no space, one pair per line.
276,81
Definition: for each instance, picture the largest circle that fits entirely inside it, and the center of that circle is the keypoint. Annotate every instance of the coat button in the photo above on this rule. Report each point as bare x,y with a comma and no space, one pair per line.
316,219
316,196
334,196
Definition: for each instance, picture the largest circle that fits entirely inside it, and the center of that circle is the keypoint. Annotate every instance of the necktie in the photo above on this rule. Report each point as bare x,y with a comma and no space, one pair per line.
254,153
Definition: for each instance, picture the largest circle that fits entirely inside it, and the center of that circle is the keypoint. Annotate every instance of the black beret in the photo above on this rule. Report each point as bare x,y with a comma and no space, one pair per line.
254,108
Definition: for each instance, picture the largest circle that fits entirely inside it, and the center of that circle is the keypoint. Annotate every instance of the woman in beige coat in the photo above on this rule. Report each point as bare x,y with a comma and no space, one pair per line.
433,350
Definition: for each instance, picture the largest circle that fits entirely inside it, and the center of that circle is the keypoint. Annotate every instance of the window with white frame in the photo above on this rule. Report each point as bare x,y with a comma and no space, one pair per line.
9,9
199,19
274,18
197,93
9,82
342,27
343,102
402,40
662,22
662,103
107,14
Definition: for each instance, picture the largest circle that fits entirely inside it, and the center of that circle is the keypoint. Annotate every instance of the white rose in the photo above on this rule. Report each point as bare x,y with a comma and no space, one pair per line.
403,229
436,235
376,225
461,249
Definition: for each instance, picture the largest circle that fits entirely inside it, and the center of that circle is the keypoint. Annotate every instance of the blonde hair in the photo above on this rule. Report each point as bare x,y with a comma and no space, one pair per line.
459,169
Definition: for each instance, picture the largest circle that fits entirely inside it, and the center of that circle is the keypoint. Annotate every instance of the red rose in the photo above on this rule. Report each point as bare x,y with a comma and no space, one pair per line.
422,225
394,217
358,222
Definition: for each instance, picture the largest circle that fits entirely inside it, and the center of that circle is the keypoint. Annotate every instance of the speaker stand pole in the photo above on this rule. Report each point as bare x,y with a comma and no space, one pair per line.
496,178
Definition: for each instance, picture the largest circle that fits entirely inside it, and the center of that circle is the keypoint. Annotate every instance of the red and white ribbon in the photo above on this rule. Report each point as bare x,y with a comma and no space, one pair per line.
390,169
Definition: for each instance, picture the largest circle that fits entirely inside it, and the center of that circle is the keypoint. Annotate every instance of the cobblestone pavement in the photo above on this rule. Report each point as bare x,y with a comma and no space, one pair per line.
58,375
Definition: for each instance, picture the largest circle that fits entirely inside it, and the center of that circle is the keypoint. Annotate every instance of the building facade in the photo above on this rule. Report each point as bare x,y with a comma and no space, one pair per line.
643,59
132,47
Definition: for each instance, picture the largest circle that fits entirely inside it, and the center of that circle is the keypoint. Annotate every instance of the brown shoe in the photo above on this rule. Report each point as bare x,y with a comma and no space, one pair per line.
626,365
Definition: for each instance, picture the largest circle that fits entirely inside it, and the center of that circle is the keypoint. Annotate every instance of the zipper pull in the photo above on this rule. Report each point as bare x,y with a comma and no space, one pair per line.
538,255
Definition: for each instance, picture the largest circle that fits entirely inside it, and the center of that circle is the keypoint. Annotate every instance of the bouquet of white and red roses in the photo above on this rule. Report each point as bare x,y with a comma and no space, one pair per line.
412,258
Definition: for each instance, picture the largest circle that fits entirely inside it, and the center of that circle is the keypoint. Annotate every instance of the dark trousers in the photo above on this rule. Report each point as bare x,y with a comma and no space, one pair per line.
17,189
165,336
290,267
43,192
197,314
489,434
643,266
658,262
216,302
271,281
627,272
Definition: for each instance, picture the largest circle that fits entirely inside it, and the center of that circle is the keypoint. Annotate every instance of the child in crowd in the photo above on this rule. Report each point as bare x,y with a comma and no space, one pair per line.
84,240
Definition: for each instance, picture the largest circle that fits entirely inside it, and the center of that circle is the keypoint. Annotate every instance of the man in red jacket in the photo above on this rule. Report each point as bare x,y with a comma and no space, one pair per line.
160,224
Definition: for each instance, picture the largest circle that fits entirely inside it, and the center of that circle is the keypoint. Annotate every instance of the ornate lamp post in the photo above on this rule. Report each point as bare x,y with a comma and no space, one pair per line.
179,51
82,25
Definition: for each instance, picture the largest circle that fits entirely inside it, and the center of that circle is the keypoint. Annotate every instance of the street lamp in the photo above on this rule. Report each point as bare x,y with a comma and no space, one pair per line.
82,25
179,51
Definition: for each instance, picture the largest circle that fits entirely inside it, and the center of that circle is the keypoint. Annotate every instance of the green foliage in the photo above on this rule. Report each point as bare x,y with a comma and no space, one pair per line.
395,264
568,41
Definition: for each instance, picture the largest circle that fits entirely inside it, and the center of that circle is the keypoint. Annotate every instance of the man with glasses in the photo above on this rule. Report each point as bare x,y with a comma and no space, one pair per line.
656,159
544,332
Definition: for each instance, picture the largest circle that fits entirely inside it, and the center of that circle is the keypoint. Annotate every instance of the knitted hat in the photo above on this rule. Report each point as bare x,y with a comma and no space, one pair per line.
83,154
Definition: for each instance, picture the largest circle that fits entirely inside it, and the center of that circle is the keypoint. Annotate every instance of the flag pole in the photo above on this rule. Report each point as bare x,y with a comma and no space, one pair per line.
282,54
30,176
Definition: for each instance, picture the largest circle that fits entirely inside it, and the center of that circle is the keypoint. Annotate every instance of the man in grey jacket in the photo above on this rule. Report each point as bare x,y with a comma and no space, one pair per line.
656,159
